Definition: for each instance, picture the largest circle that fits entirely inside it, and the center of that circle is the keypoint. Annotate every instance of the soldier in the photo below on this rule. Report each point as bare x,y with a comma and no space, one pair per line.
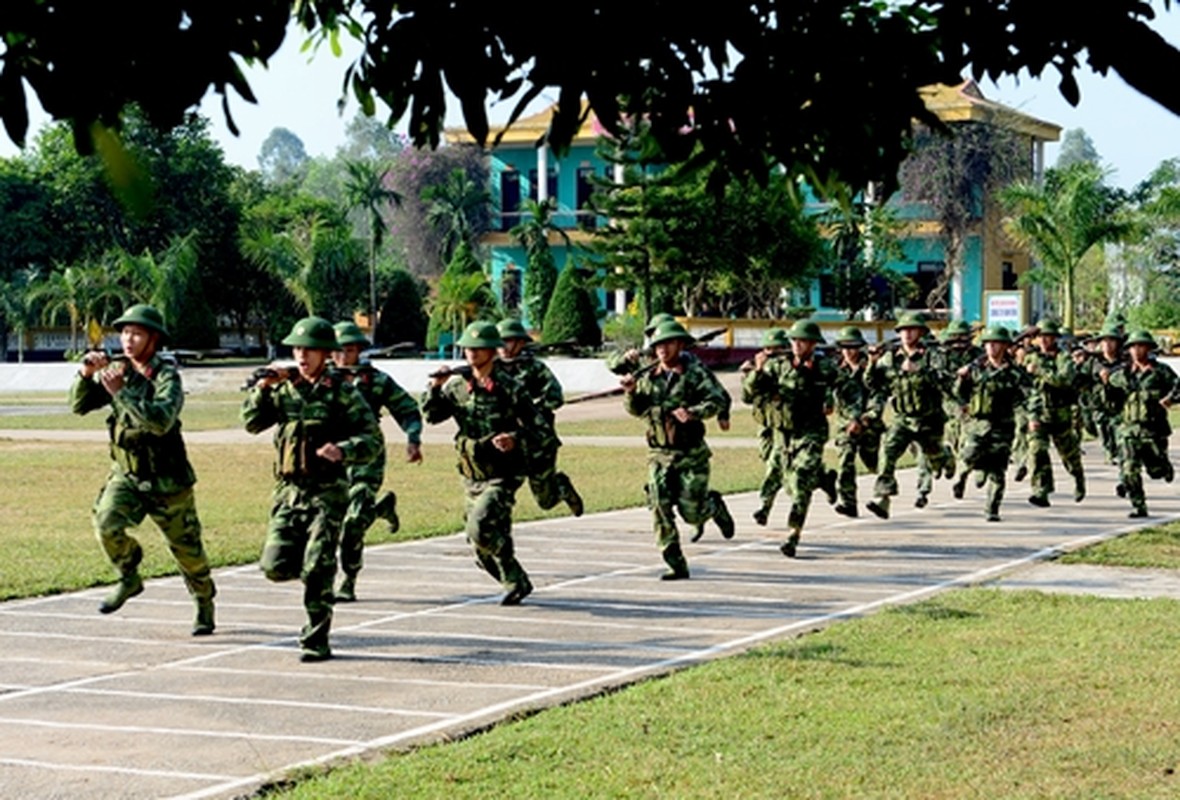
542,387
802,383
955,351
323,426
767,411
1140,393
911,377
1055,383
858,418
151,474
675,396
1022,346
1109,357
989,388
497,422
380,391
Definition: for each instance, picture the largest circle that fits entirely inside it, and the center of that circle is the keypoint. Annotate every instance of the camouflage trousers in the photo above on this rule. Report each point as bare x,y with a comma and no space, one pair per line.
489,528
986,448
1064,437
1105,425
301,541
952,435
770,450
1142,450
678,482
926,433
122,504
867,446
548,486
803,469
360,516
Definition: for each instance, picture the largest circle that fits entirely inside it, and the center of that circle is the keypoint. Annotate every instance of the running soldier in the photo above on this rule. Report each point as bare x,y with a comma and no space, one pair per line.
150,475
322,426
1140,393
858,418
802,382
381,392
497,421
1109,356
542,387
674,397
990,388
911,378
766,408
955,350
1055,384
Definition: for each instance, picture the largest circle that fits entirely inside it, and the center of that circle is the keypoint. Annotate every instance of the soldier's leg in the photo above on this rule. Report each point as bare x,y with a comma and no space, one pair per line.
1020,444
361,513
1156,461
846,448
663,489
695,501
286,535
1069,447
970,454
925,480
176,516
543,479
119,506
807,466
1042,468
868,447
770,451
326,512
489,529
995,466
897,439
1131,472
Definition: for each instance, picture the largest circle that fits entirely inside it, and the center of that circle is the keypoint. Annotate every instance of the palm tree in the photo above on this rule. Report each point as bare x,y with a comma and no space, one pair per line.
87,293
532,233
1061,219
459,300
365,190
452,206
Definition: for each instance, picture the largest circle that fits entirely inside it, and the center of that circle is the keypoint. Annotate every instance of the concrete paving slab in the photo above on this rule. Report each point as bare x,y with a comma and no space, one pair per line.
131,706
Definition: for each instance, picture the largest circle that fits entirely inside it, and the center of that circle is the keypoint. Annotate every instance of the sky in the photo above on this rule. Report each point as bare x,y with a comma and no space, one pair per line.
299,91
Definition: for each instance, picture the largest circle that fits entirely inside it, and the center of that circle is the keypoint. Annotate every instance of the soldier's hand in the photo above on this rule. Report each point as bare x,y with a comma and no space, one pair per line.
723,424
682,415
112,379
414,453
854,428
908,365
94,361
632,356
964,371
504,442
628,383
1104,375
331,452
1033,425
760,358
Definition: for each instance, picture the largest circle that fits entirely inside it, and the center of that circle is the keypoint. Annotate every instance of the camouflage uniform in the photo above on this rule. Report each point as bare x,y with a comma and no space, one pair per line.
678,458
1103,418
918,415
804,397
484,410
1055,383
955,351
379,391
989,395
766,408
1136,395
310,496
853,403
150,474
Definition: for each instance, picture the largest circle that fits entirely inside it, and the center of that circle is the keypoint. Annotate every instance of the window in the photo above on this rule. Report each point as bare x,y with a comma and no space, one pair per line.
509,199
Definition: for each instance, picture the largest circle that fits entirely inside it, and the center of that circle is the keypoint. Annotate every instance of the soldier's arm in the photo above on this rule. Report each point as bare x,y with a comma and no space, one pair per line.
364,436
437,404
156,414
637,402
708,395
549,388
87,394
259,409
403,409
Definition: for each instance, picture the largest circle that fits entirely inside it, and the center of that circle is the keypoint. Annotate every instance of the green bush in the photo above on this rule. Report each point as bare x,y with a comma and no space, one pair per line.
573,312
403,318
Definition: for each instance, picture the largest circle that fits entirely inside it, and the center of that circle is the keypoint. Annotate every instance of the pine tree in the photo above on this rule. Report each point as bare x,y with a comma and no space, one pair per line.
573,312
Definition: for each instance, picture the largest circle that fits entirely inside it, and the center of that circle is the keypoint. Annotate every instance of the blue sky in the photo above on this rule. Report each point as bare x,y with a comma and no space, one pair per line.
1132,133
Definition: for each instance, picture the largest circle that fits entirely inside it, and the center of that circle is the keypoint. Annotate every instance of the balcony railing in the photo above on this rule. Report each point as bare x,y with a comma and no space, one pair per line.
566,220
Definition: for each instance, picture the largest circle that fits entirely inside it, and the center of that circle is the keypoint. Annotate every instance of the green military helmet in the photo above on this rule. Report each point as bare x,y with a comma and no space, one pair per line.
656,321
1049,327
806,330
512,329
144,315
911,319
997,333
775,337
1141,337
348,332
1109,331
850,336
670,330
481,335
956,327
314,333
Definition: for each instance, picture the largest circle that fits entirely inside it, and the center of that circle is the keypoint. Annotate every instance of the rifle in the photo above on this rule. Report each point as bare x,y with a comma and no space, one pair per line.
538,348
709,336
385,352
461,370
615,392
285,373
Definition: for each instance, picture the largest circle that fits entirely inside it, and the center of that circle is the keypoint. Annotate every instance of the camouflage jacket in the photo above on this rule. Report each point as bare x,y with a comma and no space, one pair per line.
803,391
915,395
308,416
1134,396
482,410
619,365
380,391
1054,380
852,400
993,393
144,424
538,382
658,393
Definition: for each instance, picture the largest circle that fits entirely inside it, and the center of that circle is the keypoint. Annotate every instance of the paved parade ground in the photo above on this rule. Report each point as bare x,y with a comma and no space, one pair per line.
131,706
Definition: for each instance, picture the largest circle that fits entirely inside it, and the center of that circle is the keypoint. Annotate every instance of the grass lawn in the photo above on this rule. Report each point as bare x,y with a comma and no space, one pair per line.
202,412
979,693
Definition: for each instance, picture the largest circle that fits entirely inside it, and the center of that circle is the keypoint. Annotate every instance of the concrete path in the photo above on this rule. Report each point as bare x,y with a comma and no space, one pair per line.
131,706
